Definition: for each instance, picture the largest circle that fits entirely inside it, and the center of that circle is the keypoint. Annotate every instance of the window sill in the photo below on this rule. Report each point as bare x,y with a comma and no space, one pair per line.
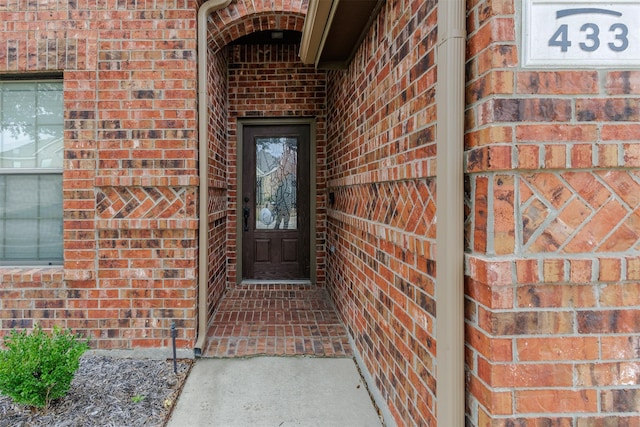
22,274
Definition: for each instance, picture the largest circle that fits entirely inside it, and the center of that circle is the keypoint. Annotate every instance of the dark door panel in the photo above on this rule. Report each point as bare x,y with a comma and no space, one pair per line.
275,202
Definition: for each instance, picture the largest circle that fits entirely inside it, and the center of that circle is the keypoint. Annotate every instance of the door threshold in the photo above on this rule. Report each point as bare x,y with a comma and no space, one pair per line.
275,282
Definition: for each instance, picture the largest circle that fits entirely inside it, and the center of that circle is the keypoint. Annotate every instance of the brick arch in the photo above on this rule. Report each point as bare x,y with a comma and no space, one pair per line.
243,17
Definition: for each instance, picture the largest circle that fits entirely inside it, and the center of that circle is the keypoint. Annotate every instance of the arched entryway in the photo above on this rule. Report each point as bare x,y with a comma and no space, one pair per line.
255,80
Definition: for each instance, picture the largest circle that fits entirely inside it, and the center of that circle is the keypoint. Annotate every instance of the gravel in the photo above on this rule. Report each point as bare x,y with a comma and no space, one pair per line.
108,392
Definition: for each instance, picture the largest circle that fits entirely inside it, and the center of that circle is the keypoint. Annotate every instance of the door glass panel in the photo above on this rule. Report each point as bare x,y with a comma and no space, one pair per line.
276,177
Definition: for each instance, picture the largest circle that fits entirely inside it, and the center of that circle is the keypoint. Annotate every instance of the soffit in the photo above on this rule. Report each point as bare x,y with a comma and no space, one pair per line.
333,30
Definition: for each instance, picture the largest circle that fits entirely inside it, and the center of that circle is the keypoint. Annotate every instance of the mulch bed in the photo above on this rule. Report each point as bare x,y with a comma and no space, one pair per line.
108,392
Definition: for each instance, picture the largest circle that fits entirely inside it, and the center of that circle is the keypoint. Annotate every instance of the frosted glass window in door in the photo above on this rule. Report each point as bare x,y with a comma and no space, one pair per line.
276,173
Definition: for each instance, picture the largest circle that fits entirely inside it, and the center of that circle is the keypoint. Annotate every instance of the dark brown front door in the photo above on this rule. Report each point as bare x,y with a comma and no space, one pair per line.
275,202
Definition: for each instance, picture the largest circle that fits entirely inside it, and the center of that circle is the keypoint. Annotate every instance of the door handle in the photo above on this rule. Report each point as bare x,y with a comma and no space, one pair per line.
245,213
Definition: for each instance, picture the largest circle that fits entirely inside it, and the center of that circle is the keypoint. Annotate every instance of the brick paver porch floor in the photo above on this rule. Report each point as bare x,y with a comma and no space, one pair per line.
276,320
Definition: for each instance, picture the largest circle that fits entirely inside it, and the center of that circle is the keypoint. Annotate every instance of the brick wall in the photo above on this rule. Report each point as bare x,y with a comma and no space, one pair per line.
552,266
553,301
130,169
381,228
217,180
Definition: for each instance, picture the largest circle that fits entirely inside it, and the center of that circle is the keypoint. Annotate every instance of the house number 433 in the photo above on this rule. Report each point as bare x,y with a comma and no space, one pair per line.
581,33
618,32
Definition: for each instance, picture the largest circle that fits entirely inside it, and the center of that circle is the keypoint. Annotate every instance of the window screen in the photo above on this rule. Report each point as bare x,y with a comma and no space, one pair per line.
31,148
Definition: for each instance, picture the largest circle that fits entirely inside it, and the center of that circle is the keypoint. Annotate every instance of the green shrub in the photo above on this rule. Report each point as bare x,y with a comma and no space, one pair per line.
37,368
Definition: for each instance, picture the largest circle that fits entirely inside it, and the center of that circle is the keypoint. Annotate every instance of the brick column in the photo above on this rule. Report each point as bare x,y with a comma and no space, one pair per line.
146,177
553,304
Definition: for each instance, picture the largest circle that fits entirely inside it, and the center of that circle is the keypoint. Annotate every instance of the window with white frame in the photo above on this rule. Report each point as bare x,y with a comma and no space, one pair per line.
31,152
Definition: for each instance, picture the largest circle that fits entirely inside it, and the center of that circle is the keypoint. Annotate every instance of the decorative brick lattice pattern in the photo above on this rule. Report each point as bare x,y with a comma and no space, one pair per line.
406,206
576,212
141,202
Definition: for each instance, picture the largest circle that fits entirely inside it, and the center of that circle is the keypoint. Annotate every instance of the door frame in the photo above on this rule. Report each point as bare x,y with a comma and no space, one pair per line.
311,122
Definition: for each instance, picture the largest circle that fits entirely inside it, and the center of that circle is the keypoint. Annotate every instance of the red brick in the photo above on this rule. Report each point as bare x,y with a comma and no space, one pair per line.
600,225
556,401
553,83
588,187
516,376
609,421
553,270
131,123
557,296
586,208
496,402
557,348
609,109
623,83
526,110
498,29
527,271
556,132
620,132
620,347
550,187
607,374
490,297
608,155
631,155
574,214
626,400
528,156
581,271
609,321
555,156
581,156
496,56
481,212
534,421
528,323
610,269
504,226
633,268
491,348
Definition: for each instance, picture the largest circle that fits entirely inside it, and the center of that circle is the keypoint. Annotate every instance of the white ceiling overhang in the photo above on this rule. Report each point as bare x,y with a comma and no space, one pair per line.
334,29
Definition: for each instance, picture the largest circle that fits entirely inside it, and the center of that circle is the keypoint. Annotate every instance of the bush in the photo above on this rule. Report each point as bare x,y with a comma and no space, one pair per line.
37,368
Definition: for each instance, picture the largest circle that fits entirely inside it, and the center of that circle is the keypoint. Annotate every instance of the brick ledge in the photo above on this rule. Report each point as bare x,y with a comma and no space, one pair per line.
156,224
147,181
31,274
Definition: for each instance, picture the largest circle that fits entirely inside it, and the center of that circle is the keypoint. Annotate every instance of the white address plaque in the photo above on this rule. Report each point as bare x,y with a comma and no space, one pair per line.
586,33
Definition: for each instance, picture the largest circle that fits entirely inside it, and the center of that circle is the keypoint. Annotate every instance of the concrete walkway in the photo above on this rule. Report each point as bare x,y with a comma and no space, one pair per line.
274,392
